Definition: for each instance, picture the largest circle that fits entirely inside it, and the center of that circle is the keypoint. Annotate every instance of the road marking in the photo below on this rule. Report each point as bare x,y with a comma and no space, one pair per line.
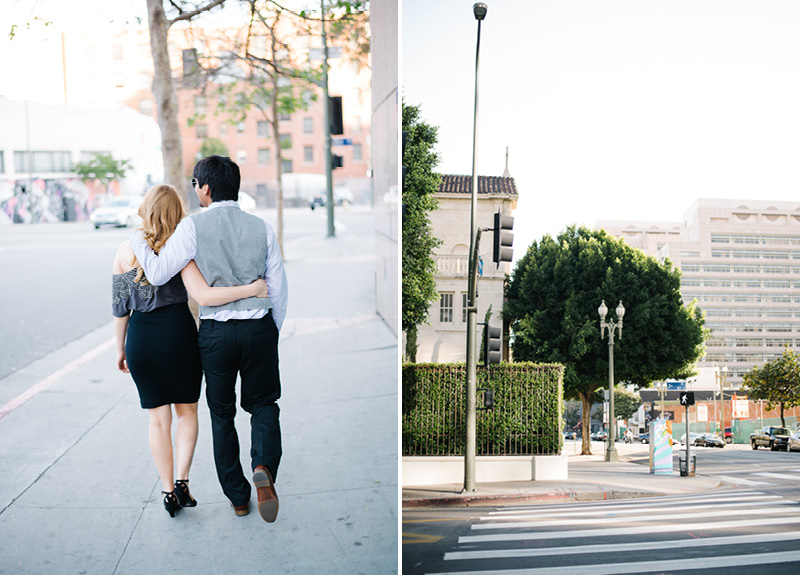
697,563
778,475
628,509
409,538
620,547
51,379
607,520
741,480
615,531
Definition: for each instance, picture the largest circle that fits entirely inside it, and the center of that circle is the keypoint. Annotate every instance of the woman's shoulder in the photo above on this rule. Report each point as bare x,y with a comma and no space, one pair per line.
123,261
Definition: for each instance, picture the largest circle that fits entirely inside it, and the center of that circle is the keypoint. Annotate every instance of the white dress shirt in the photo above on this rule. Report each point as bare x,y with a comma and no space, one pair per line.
181,248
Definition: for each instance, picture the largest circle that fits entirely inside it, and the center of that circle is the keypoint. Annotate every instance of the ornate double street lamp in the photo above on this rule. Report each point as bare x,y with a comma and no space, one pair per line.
611,326
479,10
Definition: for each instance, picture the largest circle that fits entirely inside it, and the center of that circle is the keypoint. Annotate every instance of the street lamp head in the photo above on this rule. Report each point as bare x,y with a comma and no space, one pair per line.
479,9
620,310
602,310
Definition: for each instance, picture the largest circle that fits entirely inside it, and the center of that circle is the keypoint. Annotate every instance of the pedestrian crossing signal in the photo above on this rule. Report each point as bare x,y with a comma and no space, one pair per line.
687,398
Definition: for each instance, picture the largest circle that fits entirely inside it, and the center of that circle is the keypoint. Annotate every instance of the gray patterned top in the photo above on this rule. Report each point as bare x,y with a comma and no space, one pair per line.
127,295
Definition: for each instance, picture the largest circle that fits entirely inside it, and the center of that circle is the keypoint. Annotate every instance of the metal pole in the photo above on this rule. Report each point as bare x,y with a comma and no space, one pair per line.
688,443
721,403
611,452
479,10
326,96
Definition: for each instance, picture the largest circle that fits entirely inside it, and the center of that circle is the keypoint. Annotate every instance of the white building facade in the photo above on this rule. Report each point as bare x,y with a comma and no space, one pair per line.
741,261
443,340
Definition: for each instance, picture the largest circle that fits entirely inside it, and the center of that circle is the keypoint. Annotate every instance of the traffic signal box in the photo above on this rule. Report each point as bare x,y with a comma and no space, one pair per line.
503,238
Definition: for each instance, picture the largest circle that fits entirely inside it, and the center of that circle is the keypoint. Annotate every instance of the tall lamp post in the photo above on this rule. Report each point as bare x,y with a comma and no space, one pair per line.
479,10
721,375
611,326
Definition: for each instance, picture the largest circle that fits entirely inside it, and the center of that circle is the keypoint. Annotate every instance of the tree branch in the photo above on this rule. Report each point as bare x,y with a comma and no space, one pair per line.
193,13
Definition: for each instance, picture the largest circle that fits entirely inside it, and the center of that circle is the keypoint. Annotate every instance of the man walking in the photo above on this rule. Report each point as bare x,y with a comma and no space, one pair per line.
232,247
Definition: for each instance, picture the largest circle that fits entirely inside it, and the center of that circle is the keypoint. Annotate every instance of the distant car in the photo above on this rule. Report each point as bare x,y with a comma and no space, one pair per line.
341,197
569,435
601,436
644,438
709,440
728,435
118,211
794,441
692,438
771,436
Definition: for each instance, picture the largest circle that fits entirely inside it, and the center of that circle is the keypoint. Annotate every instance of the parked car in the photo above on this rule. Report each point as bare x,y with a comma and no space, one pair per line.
794,441
119,211
692,438
771,436
709,440
341,197
569,435
644,437
601,436
728,435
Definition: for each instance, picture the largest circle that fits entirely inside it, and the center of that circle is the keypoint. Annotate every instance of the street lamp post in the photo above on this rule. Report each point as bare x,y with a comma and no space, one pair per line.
479,10
721,375
611,326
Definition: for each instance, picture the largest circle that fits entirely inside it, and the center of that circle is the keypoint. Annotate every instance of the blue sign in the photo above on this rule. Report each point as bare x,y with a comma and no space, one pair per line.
676,385
341,142
480,266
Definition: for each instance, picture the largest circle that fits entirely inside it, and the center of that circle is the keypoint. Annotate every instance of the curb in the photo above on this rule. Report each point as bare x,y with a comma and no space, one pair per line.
555,497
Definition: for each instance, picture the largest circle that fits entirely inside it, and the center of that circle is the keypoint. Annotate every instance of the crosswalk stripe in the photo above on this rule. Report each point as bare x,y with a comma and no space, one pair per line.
778,475
741,480
620,547
696,563
627,510
786,507
642,505
638,530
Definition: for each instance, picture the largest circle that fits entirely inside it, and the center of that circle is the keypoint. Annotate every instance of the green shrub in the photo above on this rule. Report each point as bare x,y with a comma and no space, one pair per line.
525,420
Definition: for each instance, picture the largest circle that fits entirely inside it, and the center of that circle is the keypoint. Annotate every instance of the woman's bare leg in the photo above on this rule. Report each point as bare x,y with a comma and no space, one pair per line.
161,444
185,437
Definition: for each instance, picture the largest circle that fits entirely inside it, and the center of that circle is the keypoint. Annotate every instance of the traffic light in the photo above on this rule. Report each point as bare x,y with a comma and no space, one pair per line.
337,126
503,238
492,344
336,161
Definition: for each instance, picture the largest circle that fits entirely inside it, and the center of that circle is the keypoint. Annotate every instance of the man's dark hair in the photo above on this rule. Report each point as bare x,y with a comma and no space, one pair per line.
222,176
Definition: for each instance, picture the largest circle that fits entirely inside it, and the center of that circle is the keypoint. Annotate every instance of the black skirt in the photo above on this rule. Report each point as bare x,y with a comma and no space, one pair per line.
163,357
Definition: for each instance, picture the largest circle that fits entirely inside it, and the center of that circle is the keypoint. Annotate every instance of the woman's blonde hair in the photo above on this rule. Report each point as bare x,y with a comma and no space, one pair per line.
161,211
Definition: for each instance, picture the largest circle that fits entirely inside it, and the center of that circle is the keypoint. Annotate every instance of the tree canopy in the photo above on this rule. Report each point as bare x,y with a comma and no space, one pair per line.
553,297
777,382
102,167
420,182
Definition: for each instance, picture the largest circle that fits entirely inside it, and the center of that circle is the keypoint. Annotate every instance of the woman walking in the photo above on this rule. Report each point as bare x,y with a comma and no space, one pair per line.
157,342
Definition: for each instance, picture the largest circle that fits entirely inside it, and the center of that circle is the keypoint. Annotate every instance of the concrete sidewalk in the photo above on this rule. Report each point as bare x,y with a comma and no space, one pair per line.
79,492
590,478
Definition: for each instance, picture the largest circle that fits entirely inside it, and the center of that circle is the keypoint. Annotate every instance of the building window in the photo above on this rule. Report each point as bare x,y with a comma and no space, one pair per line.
241,157
357,153
286,141
446,308
2,163
284,117
240,128
200,104
287,166
201,131
42,162
308,154
355,127
223,130
464,305
263,129
308,125
264,156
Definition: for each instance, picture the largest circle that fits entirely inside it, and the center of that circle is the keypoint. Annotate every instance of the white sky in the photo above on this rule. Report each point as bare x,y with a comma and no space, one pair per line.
612,109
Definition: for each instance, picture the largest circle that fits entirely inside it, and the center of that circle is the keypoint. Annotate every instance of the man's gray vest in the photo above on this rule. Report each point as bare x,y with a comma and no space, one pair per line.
231,251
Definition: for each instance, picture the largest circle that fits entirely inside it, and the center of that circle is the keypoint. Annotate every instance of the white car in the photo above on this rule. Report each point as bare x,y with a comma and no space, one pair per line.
118,211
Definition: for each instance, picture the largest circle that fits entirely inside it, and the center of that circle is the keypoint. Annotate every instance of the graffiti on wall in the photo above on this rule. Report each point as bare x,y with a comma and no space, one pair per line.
53,200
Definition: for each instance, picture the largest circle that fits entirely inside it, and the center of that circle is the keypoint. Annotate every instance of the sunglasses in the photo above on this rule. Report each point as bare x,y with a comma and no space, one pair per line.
195,182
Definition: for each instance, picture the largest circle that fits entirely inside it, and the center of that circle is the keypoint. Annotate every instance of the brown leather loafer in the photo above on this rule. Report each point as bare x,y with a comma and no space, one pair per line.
267,497
241,509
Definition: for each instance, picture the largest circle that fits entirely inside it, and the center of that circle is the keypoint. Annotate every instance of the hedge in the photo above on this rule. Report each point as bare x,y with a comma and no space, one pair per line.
525,420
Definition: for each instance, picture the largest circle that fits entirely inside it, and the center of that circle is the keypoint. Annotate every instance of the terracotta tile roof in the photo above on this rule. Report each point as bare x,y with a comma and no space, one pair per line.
451,184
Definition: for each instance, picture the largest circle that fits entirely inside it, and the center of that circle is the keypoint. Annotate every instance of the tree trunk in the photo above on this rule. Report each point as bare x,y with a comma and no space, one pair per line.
277,136
411,345
166,101
783,419
586,418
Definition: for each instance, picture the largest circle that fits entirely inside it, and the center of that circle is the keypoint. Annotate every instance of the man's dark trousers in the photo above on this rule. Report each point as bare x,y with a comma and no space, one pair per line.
248,347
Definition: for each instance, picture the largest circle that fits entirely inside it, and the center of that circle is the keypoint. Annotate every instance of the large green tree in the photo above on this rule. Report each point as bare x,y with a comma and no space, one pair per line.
420,182
553,297
102,167
777,382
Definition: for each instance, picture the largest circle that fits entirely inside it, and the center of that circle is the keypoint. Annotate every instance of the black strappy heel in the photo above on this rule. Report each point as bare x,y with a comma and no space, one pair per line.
171,503
182,491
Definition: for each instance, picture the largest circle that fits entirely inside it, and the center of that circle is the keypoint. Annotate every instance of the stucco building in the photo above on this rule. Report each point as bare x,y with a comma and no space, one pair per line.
444,339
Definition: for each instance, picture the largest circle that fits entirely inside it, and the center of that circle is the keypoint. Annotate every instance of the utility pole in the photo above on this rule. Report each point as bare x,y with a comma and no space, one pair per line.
326,97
